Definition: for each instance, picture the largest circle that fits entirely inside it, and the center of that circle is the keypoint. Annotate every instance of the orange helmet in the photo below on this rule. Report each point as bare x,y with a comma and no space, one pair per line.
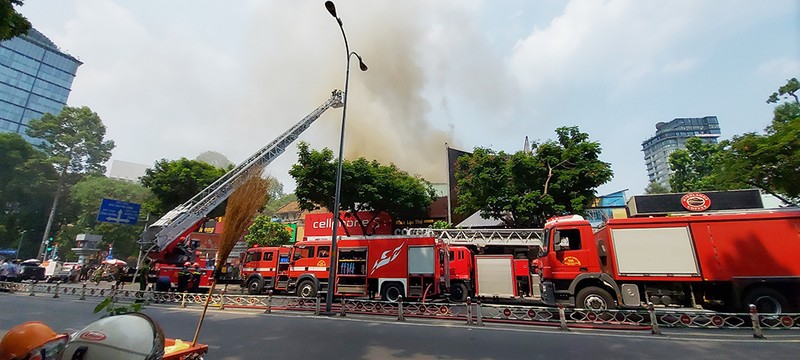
196,265
32,338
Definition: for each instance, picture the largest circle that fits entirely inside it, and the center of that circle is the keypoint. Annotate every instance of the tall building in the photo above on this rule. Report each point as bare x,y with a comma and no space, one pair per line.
671,136
35,78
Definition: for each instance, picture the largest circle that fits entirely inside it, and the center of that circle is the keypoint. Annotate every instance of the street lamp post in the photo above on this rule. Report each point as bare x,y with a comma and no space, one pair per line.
333,262
20,241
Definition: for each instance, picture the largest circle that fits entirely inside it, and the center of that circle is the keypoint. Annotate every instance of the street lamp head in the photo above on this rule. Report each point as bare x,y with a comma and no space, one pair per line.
361,64
331,8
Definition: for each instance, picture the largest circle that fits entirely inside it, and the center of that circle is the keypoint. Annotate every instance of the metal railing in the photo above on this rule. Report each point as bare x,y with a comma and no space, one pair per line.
471,312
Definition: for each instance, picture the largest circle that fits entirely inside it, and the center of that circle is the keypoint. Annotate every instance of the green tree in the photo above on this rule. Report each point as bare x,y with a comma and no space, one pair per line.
88,194
12,23
696,167
524,189
770,161
74,142
366,186
655,188
264,232
24,194
175,181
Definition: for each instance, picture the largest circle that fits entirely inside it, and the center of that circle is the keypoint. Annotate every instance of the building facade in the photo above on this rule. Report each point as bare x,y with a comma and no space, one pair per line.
35,78
671,136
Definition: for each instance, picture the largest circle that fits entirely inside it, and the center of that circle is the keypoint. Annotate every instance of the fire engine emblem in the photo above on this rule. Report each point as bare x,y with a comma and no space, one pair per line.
321,263
93,336
385,259
696,201
571,261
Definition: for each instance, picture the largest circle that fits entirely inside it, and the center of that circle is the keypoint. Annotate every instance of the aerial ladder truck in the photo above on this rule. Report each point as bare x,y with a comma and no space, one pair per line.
165,242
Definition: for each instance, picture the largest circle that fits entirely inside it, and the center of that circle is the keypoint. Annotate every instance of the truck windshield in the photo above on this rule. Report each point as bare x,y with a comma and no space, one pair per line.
545,243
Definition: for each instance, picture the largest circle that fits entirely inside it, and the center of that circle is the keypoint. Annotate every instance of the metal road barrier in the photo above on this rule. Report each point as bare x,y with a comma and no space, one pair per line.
472,313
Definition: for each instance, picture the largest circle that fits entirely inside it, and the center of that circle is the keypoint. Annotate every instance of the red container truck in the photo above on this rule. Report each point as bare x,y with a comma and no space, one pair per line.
718,261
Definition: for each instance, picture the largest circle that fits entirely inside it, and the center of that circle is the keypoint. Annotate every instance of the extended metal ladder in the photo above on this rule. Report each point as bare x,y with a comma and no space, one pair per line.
484,237
177,221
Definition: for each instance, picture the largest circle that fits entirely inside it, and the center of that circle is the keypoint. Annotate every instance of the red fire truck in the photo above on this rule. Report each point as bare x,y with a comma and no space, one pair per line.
415,267
723,260
385,265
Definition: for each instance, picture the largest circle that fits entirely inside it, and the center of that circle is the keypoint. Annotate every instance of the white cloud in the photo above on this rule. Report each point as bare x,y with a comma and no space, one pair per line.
780,67
680,66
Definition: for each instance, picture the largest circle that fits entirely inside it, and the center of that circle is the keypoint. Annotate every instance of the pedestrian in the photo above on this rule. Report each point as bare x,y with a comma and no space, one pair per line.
12,271
97,276
196,278
117,274
144,271
184,275
73,274
84,273
4,270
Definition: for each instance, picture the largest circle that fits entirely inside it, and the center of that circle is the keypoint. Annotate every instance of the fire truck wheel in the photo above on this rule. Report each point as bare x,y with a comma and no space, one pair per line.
594,298
255,286
306,289
392,292
766,300
459,292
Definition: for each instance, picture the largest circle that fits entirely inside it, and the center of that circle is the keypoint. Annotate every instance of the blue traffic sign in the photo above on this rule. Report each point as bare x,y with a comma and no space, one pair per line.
118,212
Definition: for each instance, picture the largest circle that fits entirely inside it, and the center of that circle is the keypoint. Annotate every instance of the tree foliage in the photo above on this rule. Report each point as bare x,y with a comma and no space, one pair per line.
12,23
175,181
524,189
26,190
74,140
366,186
74,143
696,167
655,188
264,232
87,196
769,162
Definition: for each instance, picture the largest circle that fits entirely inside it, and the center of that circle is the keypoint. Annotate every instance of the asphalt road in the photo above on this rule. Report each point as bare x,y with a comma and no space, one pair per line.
251,335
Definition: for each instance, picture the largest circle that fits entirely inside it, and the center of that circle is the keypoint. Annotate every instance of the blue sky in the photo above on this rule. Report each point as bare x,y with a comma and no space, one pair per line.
174,79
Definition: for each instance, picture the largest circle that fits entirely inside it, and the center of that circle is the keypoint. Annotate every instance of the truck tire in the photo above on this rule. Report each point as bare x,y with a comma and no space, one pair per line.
306,289
459,292
766,300
594,298
392,292
255,286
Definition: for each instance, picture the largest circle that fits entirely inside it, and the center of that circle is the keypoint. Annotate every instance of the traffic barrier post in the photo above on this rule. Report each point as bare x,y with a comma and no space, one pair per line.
478,314
400,316
55,296
316,305
83,291
33,285
469,311
562,316
342,312
268,310
654,329
758,333
183,300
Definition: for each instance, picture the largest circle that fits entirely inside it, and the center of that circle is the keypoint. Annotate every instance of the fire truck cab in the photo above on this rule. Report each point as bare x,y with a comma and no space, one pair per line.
262,268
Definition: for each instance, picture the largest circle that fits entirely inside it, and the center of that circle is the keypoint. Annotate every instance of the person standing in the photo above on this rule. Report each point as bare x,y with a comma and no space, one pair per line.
184,275
196,278
12,271
4,270
143,273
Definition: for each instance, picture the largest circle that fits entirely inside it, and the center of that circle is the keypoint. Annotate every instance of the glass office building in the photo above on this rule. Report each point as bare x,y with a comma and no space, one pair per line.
35,78
671,136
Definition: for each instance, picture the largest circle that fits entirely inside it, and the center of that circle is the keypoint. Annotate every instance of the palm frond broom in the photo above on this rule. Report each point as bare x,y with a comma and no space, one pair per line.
242,205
